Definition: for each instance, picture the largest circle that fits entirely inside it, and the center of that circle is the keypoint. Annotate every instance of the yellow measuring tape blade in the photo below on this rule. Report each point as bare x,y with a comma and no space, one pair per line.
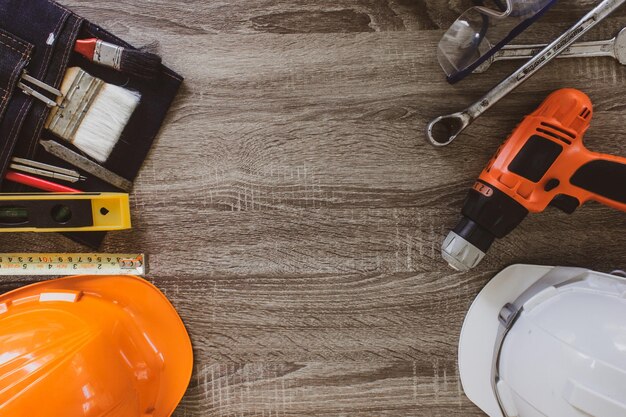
72,264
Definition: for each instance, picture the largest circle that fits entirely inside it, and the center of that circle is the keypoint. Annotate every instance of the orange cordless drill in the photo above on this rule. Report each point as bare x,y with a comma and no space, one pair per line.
542,163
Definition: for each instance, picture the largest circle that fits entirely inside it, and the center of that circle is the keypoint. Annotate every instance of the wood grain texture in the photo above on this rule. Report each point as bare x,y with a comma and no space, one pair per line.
293,212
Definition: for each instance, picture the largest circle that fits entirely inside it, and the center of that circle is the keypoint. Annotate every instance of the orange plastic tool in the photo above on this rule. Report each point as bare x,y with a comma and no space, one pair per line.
88,346
542,163
544,160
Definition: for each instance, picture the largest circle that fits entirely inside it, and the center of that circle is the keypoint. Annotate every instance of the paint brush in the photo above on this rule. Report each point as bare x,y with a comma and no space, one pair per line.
134,62
91,114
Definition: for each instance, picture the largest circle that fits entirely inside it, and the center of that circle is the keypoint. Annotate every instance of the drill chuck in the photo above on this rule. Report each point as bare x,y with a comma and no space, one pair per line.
488,213
466,245
459,253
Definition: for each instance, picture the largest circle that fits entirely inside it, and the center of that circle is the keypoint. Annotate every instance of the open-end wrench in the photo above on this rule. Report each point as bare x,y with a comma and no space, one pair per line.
615,48
444,129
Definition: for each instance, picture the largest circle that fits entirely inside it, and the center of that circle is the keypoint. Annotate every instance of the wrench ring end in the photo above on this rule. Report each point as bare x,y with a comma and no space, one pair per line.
444,129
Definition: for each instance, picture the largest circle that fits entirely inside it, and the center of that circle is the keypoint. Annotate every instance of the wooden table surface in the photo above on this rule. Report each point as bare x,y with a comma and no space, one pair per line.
293,211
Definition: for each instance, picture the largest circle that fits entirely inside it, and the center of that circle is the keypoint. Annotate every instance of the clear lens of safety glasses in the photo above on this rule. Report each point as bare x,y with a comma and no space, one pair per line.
482,31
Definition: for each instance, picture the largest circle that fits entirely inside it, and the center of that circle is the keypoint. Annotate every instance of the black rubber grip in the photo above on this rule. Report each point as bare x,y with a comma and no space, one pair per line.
535,158
604,178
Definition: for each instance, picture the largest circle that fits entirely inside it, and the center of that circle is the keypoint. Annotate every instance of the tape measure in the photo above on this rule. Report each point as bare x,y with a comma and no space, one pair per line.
72,264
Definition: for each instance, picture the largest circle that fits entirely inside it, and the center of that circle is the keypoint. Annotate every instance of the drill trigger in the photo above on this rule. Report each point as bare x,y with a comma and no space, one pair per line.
565,202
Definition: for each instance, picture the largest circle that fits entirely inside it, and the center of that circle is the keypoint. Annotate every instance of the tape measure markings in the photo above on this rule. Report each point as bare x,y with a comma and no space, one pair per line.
72,264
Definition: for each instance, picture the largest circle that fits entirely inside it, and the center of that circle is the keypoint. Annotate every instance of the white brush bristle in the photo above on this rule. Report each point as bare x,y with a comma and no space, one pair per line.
105,121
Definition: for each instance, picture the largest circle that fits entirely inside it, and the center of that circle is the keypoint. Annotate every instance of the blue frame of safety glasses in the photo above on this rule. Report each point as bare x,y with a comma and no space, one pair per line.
459,75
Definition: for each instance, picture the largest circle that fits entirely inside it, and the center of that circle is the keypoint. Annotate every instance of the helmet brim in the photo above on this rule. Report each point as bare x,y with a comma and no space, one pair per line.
480,331
159,322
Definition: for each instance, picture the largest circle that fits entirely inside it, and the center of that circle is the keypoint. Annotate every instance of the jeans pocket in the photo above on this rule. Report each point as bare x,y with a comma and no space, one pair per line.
14,56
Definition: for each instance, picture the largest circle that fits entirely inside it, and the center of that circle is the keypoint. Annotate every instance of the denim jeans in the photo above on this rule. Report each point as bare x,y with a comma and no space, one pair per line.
38,36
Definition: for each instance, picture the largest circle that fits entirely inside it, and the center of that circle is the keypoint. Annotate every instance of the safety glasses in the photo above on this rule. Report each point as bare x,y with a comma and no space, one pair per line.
481,31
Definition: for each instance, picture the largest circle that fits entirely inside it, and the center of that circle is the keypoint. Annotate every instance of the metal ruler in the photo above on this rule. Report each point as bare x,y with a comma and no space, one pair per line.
72,264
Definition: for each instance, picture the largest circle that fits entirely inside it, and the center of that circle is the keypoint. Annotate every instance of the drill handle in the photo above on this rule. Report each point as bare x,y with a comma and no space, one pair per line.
603,178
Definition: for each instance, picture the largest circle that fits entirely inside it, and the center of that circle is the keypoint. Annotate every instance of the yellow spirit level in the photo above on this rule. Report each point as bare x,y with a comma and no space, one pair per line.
59,212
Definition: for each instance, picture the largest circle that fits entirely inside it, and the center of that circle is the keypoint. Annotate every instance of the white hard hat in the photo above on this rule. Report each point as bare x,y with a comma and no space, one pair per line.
540,341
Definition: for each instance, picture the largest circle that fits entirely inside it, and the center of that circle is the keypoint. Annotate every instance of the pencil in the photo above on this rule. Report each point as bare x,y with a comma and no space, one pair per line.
38,183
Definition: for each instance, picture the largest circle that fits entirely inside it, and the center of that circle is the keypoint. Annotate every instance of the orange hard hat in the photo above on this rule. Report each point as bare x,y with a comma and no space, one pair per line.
88,346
